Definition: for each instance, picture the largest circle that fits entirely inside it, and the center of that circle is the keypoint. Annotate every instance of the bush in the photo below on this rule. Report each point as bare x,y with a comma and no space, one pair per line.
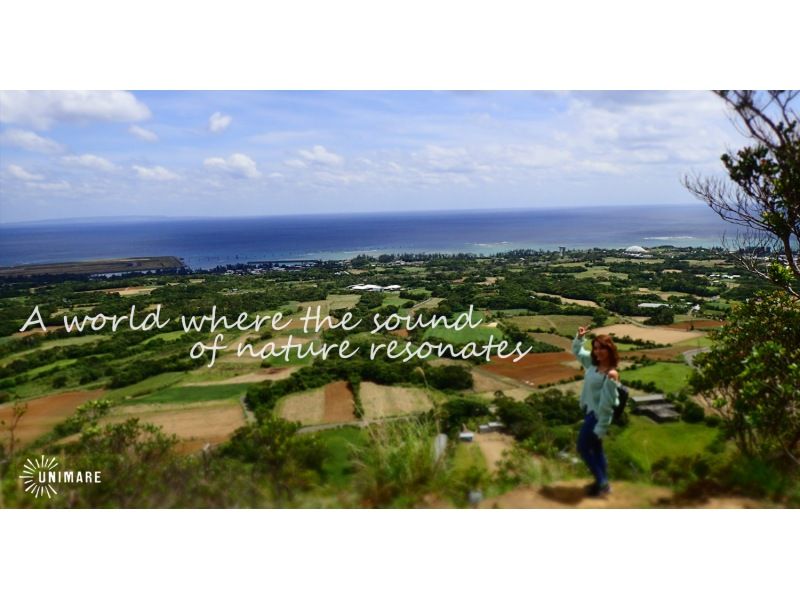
752,375
692,412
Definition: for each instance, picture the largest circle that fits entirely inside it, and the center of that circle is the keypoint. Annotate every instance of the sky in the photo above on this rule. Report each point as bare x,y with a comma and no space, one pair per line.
222,154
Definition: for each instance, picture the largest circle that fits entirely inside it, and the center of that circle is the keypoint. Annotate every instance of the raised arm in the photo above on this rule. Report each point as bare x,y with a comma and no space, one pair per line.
584,356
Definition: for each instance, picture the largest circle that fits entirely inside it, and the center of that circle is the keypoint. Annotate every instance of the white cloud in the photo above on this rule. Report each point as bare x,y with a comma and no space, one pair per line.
89,161
218,122
41,109
20,173
295,163
59,186
30,141
142,133
156,173
237,165
319,155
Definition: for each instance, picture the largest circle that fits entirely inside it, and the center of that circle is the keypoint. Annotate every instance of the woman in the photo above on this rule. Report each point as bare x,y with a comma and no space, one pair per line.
598,398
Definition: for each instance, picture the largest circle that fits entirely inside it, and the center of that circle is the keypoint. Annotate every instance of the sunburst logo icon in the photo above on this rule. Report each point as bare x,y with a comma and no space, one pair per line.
36,476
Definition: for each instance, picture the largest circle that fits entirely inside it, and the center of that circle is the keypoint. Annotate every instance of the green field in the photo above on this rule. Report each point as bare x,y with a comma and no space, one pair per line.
647,442
457,337
337,466
667,376
192,394
564,325
147,386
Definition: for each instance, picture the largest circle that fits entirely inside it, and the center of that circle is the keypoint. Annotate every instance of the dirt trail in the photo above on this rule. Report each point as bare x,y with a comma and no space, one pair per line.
492,445
570,494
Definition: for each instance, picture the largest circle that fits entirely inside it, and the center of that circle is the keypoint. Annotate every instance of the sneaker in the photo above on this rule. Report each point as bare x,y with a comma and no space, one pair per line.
600,491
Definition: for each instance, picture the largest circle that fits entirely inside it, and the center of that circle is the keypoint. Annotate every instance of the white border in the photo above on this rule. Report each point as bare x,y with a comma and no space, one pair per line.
415,44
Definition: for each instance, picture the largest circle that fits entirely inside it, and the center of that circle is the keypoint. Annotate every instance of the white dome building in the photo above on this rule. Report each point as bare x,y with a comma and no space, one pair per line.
635,249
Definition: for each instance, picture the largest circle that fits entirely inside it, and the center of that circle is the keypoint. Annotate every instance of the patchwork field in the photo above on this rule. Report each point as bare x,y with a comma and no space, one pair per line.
564,325
195,424
44,413
307,407
338,403
485,381
584,302
698,324
536,369
552,339
386,401
192,394
664,336
252,378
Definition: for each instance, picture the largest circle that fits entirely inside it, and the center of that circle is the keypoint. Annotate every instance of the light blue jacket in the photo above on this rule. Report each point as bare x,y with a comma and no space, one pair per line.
599,393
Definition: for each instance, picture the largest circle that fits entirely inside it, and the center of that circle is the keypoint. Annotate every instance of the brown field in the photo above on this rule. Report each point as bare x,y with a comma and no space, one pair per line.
535,369
552,339
338,403
195,424
483,381
385,401
584,302
307,407
664,336
697,324
44,413
401,332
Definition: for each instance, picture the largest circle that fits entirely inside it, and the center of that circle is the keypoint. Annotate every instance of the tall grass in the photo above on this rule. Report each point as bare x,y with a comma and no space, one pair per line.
397,466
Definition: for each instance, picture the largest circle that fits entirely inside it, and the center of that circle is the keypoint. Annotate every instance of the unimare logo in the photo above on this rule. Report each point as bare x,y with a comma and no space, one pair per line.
41,475
36,476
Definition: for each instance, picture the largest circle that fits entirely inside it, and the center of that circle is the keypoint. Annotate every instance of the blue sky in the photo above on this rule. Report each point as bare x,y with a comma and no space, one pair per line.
217,154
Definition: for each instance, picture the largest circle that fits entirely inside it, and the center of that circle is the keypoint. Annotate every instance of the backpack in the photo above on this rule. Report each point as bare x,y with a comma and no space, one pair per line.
619,410
623,394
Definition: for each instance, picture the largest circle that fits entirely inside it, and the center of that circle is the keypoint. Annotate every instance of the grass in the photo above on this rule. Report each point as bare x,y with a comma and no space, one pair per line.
668,377
342,301
394,299
192,394
167,336
56,365
647,442
695,343
564,325
457,337
467,455
595,271
337,465
147,386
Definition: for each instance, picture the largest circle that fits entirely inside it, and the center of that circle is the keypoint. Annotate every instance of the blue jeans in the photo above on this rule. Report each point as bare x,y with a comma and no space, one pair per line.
590,448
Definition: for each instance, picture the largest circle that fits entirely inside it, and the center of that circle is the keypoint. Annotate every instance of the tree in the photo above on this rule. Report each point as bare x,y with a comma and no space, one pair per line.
751,376
763,193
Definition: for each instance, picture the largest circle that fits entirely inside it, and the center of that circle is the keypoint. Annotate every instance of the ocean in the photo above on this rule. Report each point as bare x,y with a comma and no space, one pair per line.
205,243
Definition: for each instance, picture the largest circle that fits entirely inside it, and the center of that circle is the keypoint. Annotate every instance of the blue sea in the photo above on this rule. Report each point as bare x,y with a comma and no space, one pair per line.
204,243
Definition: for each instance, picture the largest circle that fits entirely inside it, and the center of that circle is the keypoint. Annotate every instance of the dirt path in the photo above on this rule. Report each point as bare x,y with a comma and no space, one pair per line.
492,445
570,494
